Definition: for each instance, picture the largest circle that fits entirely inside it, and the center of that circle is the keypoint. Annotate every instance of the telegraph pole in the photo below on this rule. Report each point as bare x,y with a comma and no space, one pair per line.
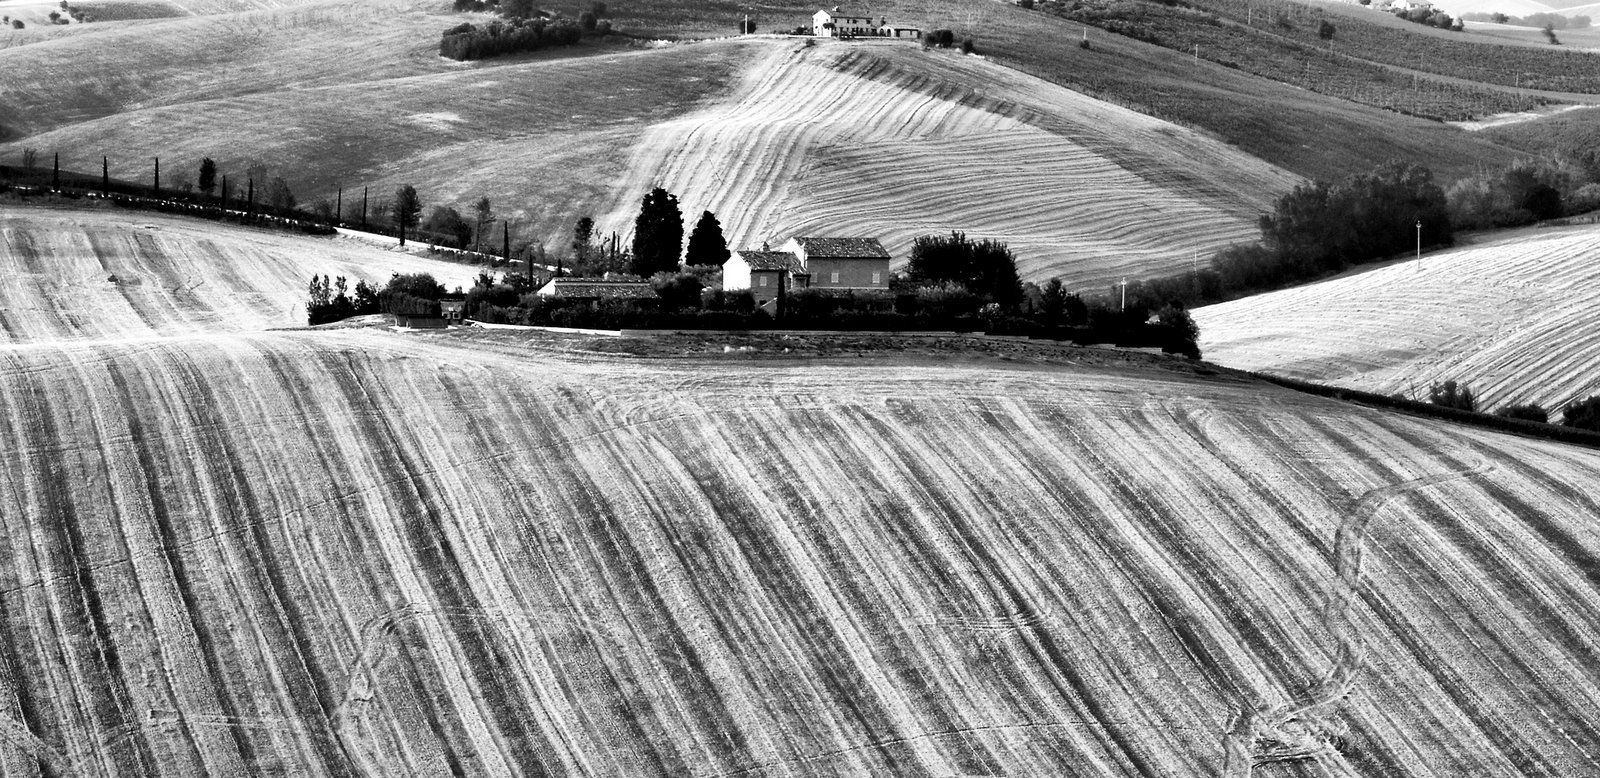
1124,285
1419,245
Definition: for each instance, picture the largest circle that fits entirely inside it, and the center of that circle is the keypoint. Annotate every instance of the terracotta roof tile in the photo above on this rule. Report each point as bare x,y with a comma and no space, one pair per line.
851,248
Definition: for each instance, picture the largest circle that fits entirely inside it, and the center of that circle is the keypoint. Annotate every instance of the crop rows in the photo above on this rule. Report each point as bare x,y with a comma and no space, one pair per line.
1512,317
349,552
1368,35
81,274
1325,69
885,141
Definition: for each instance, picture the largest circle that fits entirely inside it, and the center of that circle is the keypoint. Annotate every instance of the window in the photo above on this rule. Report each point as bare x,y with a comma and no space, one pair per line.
875,278
763,280
833,278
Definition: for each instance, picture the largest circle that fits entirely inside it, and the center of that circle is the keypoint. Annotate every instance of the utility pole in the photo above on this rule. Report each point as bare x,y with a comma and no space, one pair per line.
1124,285
1197,54
1419,245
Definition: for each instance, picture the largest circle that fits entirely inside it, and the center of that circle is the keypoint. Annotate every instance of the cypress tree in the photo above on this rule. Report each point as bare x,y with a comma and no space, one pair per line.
105,176
706,244
158,176
657,234
55,177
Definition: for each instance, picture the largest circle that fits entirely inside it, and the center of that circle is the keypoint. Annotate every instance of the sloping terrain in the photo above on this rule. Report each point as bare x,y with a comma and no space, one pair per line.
1512,316
354,552
888,141
74,274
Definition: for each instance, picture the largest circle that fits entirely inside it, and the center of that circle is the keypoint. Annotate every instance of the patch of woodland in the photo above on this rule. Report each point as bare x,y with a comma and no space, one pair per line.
523,28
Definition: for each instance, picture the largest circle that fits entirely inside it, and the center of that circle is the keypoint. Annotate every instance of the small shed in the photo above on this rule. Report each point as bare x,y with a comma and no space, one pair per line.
419,321
452,309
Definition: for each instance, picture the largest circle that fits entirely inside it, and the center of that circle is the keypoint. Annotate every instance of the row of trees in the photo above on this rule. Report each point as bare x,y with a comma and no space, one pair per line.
1322,228
1580,414
467,41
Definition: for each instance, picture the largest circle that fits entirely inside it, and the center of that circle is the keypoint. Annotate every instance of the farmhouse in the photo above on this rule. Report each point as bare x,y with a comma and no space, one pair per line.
451,309
842,263
763,271
598,289
843,23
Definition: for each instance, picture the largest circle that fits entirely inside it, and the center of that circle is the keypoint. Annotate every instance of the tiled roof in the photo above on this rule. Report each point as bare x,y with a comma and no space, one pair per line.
770,260
603,288
851,248
849,13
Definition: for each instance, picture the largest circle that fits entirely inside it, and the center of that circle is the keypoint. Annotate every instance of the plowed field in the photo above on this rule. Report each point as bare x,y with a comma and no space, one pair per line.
1514,317
86,274
353,552
889,141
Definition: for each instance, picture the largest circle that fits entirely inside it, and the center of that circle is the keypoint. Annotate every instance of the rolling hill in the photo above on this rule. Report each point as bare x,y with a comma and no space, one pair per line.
81,274
354,552
894,142
1511,316
329,95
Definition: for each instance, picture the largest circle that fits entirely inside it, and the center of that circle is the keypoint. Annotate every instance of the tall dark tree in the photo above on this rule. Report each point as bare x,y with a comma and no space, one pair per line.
444,220
279,197
657,234
55,176
226,190
505,236
250,196
105,176
407,209
208,176
582,236
706,244
363,208
158,176
987,268
338,207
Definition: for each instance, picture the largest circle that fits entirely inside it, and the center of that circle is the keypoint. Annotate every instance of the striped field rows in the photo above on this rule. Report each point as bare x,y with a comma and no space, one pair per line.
73,274
883,140
1513,317
354,552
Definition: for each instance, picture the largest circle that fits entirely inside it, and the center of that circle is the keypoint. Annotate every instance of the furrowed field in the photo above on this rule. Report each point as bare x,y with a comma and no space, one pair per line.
95,274
1513,317
894,142
358,552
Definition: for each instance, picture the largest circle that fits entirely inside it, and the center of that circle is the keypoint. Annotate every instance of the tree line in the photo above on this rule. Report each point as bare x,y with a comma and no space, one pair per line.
525,28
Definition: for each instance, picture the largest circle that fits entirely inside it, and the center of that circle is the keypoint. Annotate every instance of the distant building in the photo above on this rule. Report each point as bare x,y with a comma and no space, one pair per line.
419,321
451,309
840,23
762,272
842,263
888,31
598,289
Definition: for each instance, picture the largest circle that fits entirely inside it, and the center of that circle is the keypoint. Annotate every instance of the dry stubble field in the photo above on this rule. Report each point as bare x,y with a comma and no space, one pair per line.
357,552
1513,316
76,273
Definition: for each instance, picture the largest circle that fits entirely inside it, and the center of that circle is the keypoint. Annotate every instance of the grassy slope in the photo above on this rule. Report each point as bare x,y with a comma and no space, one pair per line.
1553,135
894,142
1512,316
310,551
173,275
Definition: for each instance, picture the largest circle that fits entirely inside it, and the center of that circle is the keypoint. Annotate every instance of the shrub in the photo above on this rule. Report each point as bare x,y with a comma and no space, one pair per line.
1326,30
17,23
1452,395
1583,414
966,46
1529,412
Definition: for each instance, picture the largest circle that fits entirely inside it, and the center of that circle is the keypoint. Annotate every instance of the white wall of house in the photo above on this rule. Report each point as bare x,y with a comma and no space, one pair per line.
735,273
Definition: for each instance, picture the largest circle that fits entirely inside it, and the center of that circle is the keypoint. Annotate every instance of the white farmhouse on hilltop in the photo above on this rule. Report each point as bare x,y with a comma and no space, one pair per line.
843,23
855,264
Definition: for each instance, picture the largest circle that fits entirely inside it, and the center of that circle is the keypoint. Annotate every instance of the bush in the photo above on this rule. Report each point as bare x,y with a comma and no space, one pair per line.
1452,395
966,46
1326,30
1583,414
17,23
467,41
1529,412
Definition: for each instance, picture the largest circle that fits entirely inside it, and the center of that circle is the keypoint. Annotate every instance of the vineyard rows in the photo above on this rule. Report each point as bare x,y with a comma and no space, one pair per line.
359,553
1368,35
1327,69
1513,317
887,141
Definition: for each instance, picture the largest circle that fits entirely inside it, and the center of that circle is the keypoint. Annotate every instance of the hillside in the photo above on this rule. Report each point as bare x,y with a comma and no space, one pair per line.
73,274
547,137
354,552
894,142
1512,316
